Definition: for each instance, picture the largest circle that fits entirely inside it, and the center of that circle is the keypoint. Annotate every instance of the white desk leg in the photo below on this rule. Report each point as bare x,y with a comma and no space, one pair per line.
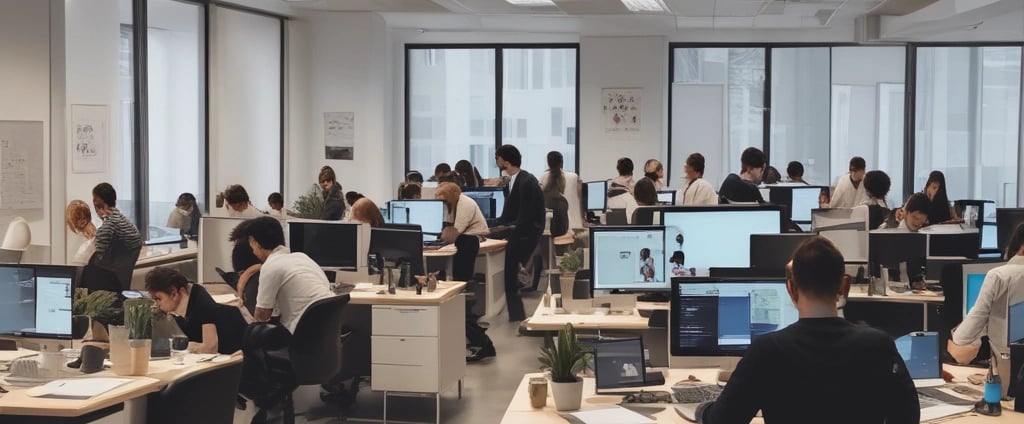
493,266
925,316
437,408
135,410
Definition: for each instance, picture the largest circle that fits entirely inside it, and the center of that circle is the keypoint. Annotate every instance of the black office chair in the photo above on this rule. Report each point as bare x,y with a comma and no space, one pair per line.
203,397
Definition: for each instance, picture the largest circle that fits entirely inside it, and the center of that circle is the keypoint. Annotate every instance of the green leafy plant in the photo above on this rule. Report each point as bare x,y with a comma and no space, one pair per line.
138,317
93,305
308,205
572,261
567,358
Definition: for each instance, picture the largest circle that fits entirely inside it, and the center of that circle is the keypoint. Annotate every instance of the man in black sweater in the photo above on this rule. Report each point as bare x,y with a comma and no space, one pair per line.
822,368
524,209
743,188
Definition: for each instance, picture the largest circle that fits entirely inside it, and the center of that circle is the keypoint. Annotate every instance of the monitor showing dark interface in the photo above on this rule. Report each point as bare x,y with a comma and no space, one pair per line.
1007,219
397,244
595,195
428,214
619,363
35,300
490,199
771,252
629,258
722,317
718,237
329,244
890,248
667,197
800,200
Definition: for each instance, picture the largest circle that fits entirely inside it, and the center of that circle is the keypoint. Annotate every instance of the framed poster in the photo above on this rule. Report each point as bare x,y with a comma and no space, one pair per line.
90,138
621,109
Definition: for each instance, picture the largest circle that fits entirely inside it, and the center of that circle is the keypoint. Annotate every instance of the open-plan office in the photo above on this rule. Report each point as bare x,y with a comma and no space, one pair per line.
161,98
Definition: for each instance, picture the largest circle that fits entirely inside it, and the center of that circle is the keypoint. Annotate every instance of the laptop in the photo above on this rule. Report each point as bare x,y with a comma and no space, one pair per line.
920,351
619,363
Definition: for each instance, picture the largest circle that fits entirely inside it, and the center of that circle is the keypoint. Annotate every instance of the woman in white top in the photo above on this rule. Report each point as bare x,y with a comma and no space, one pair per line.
465,226
696,190
79,221
570,187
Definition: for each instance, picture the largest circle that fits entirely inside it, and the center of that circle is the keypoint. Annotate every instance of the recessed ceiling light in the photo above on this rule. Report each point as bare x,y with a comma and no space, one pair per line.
531,2
645,6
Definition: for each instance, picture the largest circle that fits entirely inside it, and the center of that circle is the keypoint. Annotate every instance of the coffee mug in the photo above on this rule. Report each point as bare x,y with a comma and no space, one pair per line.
538,392
92,359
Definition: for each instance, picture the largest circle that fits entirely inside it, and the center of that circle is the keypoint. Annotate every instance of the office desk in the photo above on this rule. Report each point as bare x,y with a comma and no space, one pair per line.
545,320
520,411
132,395
900,298
490,261
165,254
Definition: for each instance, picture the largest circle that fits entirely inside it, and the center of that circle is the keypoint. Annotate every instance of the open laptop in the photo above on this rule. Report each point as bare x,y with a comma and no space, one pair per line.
619,363
920,351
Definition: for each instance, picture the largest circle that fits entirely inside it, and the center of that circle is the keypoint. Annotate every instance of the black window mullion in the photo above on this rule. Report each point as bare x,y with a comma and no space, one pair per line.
499,88
909,121
140,114
766,117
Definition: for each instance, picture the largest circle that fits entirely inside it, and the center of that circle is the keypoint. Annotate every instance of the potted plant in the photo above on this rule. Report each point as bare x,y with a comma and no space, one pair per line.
138,318
308,205
90,312
570,263
566,359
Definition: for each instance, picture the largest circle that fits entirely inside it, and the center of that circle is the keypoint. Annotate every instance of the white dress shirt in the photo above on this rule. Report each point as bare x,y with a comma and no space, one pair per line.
697,193
1003,286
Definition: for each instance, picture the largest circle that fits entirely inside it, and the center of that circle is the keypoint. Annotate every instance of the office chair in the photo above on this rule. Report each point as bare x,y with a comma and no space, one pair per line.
16,241
204,397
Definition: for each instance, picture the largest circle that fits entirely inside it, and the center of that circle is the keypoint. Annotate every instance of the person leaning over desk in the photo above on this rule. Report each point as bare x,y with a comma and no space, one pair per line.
465,226
821,368
210,328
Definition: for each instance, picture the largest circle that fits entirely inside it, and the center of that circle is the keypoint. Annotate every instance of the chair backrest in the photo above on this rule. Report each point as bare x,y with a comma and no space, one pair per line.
204,397
10,256
315,351
18,236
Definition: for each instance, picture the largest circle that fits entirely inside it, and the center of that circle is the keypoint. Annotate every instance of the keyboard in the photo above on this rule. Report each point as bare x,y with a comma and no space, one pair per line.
696,393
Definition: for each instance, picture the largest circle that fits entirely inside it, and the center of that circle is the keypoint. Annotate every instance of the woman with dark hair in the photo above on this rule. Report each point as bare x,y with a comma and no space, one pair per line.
238,203
567,184
210,328
409,191
645,193
334,204
185,215
467,176
441,169
940,211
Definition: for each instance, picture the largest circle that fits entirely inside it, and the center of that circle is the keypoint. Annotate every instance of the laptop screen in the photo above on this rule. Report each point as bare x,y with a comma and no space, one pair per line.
920,351
619,363
1015,323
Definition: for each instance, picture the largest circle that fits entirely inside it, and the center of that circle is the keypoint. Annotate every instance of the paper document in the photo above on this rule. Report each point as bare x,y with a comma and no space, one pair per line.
224,299
616,415
77,388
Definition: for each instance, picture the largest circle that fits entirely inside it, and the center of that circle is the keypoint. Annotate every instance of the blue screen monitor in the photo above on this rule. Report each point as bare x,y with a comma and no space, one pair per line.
1015,323
492,198
711,317
717,236
595,196
35,300
920,351
974,276
428,214
628,258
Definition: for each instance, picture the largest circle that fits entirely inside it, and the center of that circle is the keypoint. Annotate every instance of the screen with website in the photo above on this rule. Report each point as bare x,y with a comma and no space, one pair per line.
629,259
596,195
805,199
428,214
716,238
723,318
53,301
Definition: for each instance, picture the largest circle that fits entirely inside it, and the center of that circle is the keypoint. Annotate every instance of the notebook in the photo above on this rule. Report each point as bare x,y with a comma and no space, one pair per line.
920,351
619,363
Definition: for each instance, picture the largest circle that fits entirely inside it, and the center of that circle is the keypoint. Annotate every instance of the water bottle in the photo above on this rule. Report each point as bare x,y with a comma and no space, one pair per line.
989,404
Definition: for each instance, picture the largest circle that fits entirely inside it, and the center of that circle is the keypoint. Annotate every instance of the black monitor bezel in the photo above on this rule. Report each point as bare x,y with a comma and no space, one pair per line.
620,228
391,212
292,225
586,196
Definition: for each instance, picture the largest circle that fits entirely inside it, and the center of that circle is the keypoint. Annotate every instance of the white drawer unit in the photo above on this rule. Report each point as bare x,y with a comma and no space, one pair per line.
418,349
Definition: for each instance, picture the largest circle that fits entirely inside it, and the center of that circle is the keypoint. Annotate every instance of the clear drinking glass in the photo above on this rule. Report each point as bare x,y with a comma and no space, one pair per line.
179,347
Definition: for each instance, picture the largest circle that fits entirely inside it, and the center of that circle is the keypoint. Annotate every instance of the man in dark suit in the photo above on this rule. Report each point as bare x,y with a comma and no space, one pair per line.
524,209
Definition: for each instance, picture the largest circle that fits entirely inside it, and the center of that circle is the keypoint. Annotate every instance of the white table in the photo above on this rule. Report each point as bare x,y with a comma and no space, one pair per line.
491,262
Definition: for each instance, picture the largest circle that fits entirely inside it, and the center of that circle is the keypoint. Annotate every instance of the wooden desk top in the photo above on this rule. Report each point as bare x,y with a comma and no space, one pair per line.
161,373
165,254
520,411
897,298
367,294
544,319
487,246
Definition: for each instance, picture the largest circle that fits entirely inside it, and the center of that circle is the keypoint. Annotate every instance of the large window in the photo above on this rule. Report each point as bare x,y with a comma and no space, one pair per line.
800,111
452,105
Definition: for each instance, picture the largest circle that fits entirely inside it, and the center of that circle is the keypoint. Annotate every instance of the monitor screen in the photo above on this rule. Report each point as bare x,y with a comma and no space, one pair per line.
890,248
717,237
667,197
773,251
1007,219
36,300
595,193
805,199
628,258
1015,323
399,243
496,194
428,214
329,244
920,351
619,363
973,277
722,317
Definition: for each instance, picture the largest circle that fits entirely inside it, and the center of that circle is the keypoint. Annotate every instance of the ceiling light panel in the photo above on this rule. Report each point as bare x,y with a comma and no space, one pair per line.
645,6
531,2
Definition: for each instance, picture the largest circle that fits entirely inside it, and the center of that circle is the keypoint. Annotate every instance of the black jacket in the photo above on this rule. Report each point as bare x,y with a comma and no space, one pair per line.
524,208
333,208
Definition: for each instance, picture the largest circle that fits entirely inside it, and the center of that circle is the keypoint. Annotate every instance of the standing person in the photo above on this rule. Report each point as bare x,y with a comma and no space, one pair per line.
210,327
820,345
940,211
656,172
333,208
696,190
567,183
849,191
795,172
743,188
238,203
117,241
524,208
79,221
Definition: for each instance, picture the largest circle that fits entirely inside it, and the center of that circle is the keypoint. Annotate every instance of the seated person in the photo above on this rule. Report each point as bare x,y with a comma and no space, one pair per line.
211,328
743,188
185,215
912,216
246,265
821,368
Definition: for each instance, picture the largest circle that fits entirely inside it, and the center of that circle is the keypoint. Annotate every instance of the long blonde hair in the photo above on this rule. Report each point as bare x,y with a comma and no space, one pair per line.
79,219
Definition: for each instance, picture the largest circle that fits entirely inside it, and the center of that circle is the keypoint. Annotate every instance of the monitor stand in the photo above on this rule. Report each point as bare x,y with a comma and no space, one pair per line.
653,297
592,218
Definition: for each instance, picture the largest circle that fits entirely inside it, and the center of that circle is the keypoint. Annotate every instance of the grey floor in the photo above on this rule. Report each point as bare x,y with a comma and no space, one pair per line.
487,390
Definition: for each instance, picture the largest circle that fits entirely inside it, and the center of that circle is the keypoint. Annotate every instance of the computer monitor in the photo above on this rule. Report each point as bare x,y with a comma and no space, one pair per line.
974,276
920,352
629,258
961,243
1007,220
495,206
398,244
1015,323
595,195
771,252
331,244
712,318
799,200
428,214
35,300
890,248
847,229
717,236
667,197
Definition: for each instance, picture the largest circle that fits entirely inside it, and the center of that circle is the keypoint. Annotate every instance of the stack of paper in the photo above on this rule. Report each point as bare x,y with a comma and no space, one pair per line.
77,388
616,415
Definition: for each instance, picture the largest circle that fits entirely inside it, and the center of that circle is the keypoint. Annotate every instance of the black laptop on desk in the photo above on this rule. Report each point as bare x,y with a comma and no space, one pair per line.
619,363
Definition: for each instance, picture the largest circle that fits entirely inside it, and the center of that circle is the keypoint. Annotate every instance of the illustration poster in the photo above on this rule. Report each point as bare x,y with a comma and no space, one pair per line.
89,138
621,109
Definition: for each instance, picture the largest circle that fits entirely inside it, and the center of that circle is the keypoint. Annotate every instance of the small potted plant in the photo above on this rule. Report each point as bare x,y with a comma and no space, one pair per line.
570,263
138,318
90,312
565,360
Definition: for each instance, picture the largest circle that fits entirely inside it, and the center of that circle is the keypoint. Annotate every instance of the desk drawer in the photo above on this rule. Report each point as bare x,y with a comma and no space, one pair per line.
405,320
398,350
407,378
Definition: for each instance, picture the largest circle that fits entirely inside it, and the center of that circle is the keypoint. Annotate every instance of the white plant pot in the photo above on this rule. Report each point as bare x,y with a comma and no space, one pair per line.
566,281
567,395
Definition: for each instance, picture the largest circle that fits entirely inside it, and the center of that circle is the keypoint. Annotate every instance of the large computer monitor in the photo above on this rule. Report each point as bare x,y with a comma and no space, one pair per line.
666,197
712,318
1007,220
398,244
771,252
717,236
974,276
331,244
846,228
799,200
595,196
890,248
428,214
629,258
35,300
490,199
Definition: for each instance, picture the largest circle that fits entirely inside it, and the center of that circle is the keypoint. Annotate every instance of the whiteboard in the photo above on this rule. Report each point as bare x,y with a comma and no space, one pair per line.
21,165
